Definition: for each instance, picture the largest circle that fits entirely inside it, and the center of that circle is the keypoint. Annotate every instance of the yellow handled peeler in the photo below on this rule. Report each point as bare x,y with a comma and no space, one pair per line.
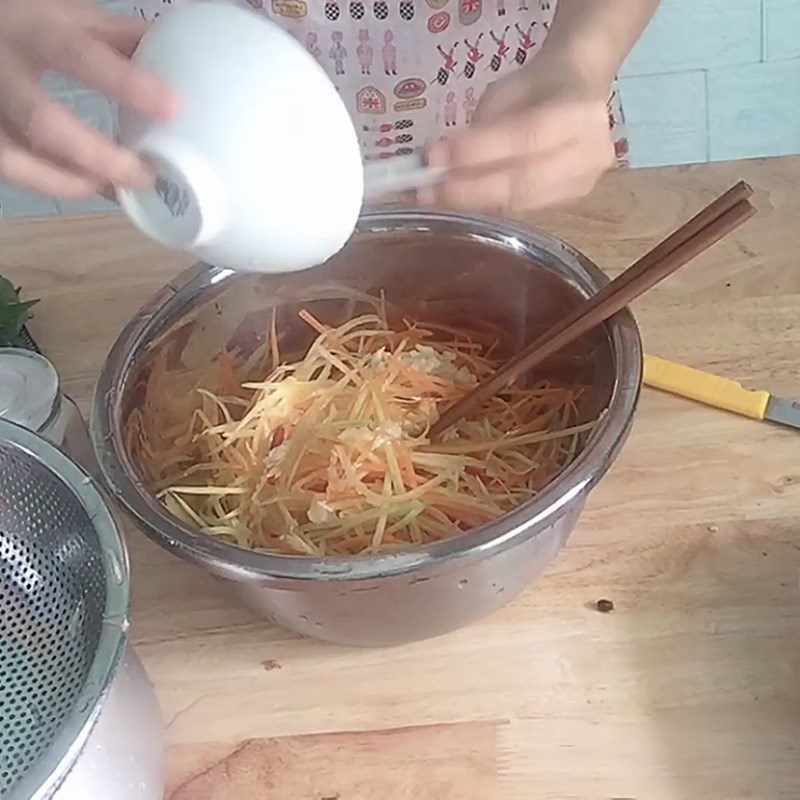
719,392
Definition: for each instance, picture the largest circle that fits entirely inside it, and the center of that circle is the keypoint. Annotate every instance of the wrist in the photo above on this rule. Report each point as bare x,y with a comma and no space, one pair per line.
588,57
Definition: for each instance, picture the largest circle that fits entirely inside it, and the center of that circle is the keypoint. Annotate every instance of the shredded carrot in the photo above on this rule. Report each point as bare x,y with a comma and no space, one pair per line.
329,454
312,321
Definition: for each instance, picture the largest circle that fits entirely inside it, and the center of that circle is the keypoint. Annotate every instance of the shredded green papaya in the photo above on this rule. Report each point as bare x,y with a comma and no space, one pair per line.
330,455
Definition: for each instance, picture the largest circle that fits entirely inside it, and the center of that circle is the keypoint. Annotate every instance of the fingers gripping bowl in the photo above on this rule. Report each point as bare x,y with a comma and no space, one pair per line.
449,272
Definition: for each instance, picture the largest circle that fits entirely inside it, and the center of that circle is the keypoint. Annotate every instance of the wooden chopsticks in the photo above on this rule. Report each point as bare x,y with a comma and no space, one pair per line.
713,223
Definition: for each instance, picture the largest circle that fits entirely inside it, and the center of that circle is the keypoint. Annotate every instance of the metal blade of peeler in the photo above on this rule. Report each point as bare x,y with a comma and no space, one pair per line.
783,411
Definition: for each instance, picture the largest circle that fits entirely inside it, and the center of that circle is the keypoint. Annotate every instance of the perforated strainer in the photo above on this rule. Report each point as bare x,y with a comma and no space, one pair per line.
64,596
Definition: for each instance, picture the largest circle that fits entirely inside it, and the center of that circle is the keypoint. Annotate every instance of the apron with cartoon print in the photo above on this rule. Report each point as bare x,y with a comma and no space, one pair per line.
409,71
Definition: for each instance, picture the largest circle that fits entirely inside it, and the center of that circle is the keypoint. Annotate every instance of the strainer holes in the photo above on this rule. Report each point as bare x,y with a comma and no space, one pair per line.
46,569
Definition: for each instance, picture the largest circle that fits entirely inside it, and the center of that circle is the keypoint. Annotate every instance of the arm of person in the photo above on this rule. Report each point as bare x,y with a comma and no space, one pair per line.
542,133
595,37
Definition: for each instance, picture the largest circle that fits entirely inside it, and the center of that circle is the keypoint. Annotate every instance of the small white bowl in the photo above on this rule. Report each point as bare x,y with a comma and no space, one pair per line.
261,169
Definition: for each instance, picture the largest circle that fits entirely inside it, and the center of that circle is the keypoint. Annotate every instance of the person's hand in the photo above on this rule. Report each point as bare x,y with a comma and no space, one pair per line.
42,145
541,137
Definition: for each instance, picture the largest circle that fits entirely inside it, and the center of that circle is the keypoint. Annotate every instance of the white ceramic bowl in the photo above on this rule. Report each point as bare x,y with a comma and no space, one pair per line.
261,169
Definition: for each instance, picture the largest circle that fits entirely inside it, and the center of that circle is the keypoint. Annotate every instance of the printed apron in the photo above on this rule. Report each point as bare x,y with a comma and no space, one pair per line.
410,71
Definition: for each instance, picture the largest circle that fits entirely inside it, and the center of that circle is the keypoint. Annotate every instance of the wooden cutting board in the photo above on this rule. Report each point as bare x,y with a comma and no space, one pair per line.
412,763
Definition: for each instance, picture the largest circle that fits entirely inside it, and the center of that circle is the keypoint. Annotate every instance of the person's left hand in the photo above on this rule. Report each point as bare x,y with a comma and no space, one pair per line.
541,137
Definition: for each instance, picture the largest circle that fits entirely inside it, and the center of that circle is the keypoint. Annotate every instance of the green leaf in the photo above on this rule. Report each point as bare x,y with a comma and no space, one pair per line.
13,317
13,313
8,294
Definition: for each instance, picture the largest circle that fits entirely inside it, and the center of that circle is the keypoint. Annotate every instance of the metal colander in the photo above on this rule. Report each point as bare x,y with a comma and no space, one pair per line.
63,611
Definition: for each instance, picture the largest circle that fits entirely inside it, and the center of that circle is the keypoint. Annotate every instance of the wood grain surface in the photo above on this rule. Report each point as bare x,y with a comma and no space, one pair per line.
689,689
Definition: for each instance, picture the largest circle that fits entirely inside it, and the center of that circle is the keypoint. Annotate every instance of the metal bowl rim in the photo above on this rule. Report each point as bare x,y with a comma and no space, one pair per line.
232,562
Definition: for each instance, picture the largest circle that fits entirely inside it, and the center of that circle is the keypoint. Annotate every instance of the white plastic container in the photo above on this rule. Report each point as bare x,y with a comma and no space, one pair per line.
261,169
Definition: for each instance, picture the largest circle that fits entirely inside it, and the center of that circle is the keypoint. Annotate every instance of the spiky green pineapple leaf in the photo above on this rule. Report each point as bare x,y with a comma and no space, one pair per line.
13,313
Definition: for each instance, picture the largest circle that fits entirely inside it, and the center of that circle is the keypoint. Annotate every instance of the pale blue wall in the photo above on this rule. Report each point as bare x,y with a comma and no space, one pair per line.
713,80
710,80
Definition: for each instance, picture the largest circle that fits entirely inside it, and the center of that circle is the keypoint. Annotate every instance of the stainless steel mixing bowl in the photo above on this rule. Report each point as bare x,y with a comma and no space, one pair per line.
463,270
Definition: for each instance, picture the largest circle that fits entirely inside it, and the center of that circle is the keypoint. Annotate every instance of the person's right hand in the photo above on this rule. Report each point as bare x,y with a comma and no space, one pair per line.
42,145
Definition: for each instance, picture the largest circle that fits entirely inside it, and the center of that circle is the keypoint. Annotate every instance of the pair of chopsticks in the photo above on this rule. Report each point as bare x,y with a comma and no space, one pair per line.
713,223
